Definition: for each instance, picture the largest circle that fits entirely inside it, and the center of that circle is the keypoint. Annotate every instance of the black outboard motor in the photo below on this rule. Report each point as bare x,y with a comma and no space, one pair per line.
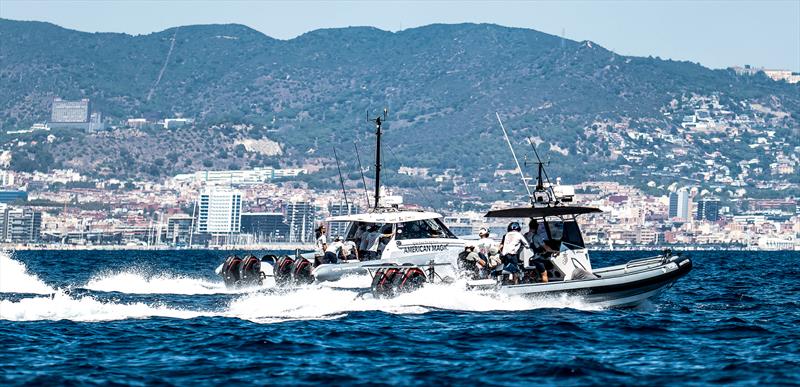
408,280
301,271
230,271
283,271
382,282
250,272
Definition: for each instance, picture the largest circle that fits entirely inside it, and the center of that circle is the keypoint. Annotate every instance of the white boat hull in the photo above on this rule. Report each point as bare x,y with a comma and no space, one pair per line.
619,286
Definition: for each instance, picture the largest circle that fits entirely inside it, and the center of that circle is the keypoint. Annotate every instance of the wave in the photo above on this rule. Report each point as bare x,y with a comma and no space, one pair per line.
61,306
14,278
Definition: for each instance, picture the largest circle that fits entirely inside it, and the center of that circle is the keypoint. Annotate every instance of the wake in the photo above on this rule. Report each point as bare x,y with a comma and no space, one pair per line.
311,302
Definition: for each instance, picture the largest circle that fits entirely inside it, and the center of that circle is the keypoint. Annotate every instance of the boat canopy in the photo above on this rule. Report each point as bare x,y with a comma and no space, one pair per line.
386,217
540,212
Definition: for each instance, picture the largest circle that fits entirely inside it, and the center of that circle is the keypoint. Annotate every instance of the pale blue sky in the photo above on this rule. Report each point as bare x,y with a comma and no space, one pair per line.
717,34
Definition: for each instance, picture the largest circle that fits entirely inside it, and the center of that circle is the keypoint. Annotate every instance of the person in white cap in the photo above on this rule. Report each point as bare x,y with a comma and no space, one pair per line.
484,244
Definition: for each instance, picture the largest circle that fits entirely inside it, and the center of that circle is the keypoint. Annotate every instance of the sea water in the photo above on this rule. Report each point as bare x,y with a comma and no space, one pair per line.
145,317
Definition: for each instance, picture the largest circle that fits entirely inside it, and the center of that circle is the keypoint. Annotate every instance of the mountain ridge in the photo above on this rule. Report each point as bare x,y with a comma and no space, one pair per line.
446,79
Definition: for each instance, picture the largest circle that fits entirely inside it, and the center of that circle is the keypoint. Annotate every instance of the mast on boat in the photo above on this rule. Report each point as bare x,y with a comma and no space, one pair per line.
378,123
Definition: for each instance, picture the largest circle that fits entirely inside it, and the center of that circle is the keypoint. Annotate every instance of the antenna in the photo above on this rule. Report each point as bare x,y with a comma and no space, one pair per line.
521,174
341,179
360,169
378,124
539,182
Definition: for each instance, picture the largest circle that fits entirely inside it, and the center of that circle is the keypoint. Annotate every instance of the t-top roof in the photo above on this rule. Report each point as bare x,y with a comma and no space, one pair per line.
539,212
386,217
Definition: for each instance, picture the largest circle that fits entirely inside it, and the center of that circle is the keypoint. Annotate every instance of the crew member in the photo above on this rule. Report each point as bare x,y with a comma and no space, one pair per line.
510,248
334,250
322,240
349,251
540,248
471,263
484,243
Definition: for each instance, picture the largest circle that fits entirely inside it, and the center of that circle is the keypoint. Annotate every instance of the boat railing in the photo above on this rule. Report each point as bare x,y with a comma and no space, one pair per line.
646,261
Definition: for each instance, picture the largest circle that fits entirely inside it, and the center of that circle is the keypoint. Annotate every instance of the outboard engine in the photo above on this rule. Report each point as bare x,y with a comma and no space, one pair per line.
301,271
408,280
250,272
283,271
382,282
230,271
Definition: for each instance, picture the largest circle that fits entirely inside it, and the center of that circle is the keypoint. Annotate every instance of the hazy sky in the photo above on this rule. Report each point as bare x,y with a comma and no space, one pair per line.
715,33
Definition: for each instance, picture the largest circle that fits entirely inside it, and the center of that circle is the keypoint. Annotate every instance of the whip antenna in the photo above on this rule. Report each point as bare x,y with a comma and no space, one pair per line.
341,179
360,169
539,181
521,173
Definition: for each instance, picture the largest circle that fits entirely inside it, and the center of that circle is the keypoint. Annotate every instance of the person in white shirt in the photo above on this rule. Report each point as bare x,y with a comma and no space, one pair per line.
512,245
336,246
322,240
349,251
484,243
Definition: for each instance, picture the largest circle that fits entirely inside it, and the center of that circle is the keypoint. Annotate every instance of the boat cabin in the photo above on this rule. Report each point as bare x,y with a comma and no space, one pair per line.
563,235
401,233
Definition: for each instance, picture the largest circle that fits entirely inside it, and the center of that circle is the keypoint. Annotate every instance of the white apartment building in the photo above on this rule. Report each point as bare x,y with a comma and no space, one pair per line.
219,212
242,177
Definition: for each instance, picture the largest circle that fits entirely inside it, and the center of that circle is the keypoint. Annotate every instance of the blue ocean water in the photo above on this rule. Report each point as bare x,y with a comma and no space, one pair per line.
144,317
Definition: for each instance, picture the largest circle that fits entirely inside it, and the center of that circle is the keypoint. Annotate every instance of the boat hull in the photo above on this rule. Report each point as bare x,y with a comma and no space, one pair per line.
624,290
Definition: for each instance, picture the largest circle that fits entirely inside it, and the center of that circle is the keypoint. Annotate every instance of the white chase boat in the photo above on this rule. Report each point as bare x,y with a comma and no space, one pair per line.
570,271
409,238
417,238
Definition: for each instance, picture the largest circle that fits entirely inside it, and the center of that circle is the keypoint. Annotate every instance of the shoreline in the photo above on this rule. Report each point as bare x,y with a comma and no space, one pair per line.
310,247
279,246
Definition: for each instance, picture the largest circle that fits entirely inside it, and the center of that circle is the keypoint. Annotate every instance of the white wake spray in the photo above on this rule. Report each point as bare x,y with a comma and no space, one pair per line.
135,281
14,278
323,302
61,306
312,302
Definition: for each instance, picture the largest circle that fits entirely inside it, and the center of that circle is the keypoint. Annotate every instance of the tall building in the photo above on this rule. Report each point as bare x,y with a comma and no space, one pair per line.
300,218
220,212
683,203
70,111
265,226
679,205
708,209
338,209
673,205
20,225
179,228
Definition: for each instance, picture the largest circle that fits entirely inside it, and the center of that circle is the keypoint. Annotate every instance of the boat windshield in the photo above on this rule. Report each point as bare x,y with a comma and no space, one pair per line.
423,229
569,233
562,232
